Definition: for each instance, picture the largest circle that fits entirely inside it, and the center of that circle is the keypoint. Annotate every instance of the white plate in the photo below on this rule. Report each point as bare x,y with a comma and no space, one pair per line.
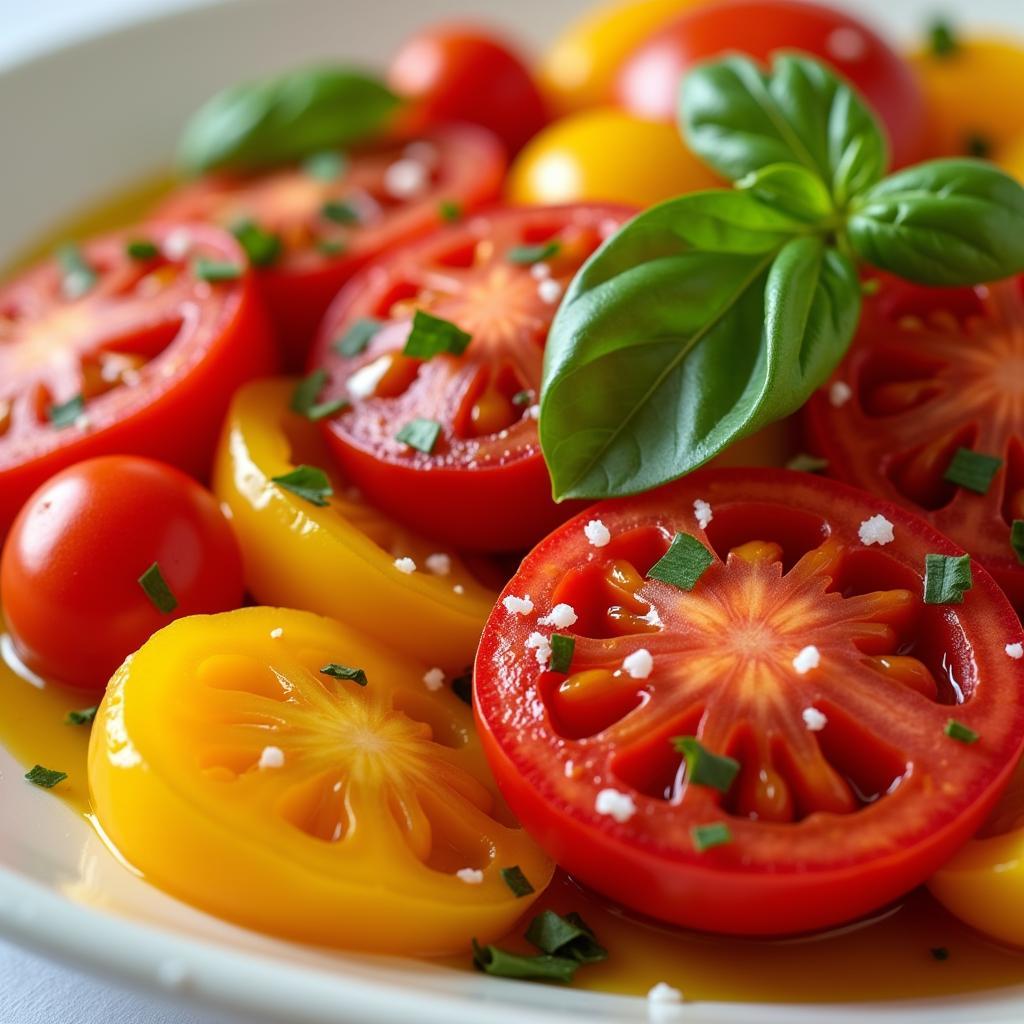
76,123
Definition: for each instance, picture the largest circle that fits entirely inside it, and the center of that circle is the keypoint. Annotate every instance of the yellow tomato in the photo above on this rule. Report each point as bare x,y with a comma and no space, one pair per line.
606,155
972,96
578,70
234,771
338,560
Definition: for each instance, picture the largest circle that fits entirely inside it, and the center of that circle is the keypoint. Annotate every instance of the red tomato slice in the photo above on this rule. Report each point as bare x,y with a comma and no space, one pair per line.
849,792
484,484
153,351
932,371
329,225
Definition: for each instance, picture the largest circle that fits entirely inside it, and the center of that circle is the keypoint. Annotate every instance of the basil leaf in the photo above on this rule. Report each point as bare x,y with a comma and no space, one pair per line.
946,222
285,118
792,190
739,119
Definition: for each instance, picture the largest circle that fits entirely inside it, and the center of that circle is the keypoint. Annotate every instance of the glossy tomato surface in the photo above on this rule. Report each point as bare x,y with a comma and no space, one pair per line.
329,216
804,652
69,578
933,371
104,352
464,73
648,82
483,484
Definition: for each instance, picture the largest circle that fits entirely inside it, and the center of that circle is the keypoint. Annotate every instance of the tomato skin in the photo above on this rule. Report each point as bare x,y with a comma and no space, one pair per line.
647,83
70,569
462,73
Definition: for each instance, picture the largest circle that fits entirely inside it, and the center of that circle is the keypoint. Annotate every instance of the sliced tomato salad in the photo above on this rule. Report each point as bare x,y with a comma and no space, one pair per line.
479,478
869,732
314,224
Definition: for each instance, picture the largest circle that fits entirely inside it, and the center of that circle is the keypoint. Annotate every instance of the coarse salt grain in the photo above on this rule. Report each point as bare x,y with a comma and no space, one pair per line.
840,393
664,1004
276,634
433,679
271,757
541,646
616,805
177,244
808,658
406,565
876,530
813,719
406,178
471,876
458,589
597,533
1015,651
549,290
639,664
439,564
702,513
540,271
518,605
561,616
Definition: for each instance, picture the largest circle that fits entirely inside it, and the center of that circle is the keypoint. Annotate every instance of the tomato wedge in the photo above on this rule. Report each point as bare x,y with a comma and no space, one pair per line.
802,652
482,482
102,352
327,217
931,372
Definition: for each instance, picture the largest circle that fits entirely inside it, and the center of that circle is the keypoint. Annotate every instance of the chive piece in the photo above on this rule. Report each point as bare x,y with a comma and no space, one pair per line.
77,277
524,397
804,463
81,717
462,685
528,254
351,675
972,470
308,483
64,414
430,336
946,578
328,165
567,936
502,964
979,146
330,247
961,733
141,249
156,589
449,211
304,395
262,247
514,878
45,777
216,271
703,768
420,434
340,212
357,337
1017,539
325,410
707,836
683,564
562,648
939,953
942,41
870,286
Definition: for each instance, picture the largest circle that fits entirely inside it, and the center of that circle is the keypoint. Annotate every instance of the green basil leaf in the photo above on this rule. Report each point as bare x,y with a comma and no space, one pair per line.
792,190
286,118
739,119
946,222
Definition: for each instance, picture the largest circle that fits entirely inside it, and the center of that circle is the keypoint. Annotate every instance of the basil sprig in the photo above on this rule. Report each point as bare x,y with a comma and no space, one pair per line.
289,117
716,313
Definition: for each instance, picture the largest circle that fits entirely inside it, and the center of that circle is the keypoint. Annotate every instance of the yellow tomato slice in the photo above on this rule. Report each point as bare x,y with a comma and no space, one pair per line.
233,772
339,560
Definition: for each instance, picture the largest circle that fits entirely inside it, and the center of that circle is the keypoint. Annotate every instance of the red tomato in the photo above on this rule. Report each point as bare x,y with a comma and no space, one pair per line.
327,222
463,73
934,370
648,83
483,484
69,578
804,655
152,351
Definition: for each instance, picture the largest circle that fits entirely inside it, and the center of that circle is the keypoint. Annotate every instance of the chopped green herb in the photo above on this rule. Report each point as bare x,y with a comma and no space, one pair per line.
330,247
567,936
340,212
325,410
262,247
308,483
449,211
216,271
156,589
683,564
304,398
961,733
972,470
77,277
979,146
328,165
942,41
524,397
939,953
804,463
420,434
141,249
946,578
514,878
430,336
562,648
870,286
352,675
357,337
707,836
703,768
503,964
527,254
462,686
81,717
64,414
45,777
1017,539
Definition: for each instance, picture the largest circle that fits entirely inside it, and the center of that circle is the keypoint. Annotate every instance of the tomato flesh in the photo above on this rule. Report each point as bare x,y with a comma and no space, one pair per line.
831,814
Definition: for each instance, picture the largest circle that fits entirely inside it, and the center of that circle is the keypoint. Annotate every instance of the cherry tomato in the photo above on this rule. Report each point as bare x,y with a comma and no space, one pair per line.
793,648
648,83
104,352
72,579
453,73
321,221
480,480
931,372
606,155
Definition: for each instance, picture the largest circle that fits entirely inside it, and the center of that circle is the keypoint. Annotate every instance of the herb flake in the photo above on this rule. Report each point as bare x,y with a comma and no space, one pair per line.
562,649
420,434
357,337
514,878
304,398
431,336
216,271
262,247
705,837
961,733
502,964
683,564
567,936
64,414
157,590
946,578
449,211
340,211
46,778
83,716
327,165
526,255
307,482
703,768
972,470
350,675
141,249
78,278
